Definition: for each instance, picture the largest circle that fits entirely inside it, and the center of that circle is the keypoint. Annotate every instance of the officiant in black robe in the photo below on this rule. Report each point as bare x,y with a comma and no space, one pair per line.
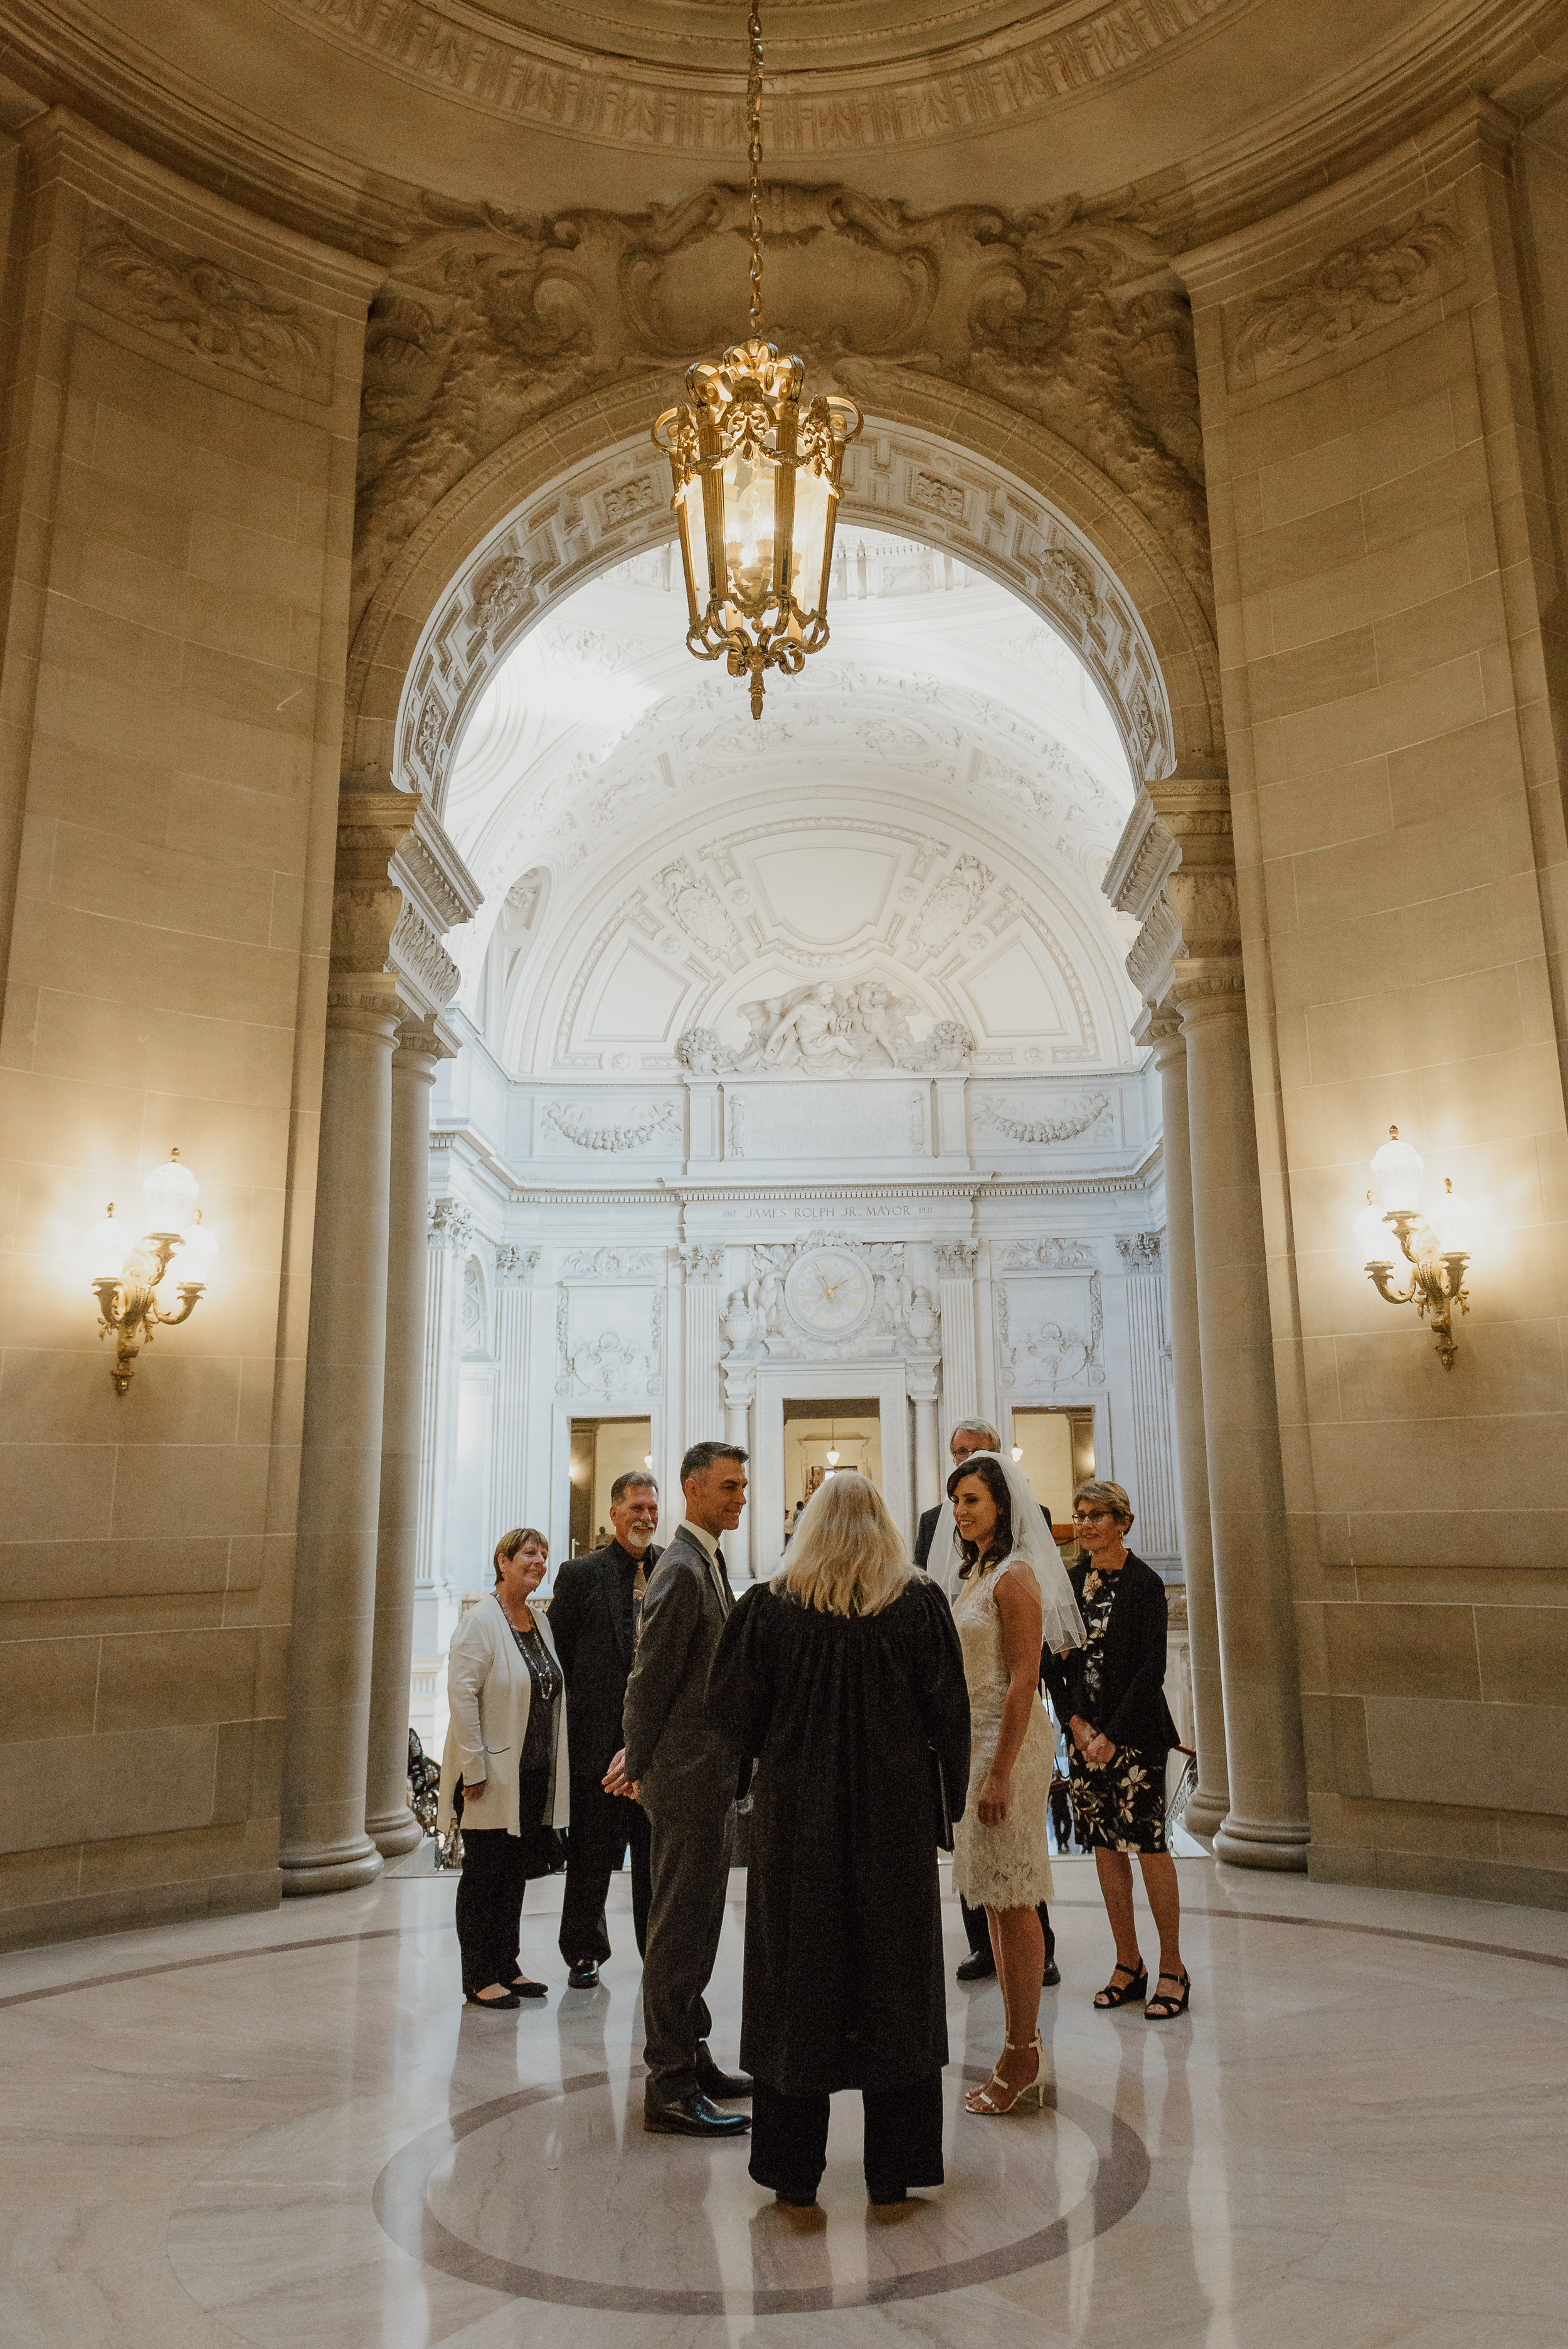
850,1717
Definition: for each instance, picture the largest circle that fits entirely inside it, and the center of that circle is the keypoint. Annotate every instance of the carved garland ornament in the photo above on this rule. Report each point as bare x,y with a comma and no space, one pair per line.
199,306
1076,1120
1349,292
575,1119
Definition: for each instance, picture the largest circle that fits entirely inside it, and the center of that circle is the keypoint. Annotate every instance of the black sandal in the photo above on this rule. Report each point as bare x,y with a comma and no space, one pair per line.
1161,2009
1137,1989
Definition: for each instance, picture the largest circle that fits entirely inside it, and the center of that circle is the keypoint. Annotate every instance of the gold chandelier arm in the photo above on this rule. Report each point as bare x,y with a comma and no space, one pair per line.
754,124
1380,1276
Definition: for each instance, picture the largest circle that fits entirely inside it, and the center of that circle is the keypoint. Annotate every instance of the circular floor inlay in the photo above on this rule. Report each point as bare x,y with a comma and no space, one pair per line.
663,2226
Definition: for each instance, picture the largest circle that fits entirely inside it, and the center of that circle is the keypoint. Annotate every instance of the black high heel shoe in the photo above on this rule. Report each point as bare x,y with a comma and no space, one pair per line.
1163,2009
1136,1990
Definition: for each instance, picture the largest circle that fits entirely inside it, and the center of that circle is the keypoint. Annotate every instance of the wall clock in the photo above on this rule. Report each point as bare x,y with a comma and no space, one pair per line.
828,1292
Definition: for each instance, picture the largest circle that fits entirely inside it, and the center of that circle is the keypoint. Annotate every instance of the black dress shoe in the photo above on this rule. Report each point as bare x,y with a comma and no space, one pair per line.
1051,1976
723,2085
978,1966
583,1974
693,2115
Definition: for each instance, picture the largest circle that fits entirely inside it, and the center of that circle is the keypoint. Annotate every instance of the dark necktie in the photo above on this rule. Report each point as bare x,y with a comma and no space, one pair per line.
727,1599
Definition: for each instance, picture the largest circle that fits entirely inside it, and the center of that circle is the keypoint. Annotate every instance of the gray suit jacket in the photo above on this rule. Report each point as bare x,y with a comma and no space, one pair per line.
671,1748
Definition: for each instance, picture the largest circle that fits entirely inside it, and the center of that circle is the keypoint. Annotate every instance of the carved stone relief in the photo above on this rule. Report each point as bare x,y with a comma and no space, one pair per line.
955,1259
760,1321
590,1127
1069,315
824,1031
1075,1119
702,1263
1048,1256
500,68
1049,1333
613,1359
1350,292
608,1264
514,1264
199,306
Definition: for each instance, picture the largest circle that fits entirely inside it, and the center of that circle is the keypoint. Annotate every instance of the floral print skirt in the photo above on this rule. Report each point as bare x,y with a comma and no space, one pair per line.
1121,1806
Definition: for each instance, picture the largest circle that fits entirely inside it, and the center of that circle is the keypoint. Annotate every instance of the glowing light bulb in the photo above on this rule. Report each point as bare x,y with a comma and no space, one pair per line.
1453,1219
106,1246
832,1459
1397,1171
1017,1450
1373,1236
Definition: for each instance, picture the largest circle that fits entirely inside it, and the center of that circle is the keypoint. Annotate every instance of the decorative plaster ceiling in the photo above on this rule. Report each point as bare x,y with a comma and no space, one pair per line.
931,805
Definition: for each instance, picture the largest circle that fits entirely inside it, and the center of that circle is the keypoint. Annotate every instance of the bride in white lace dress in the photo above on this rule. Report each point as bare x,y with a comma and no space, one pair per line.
1001,1858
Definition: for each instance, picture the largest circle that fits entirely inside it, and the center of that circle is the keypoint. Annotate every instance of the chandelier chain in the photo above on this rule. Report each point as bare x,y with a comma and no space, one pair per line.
754,124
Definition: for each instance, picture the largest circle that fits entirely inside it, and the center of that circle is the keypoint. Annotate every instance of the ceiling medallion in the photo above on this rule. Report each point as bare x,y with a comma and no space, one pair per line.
756,485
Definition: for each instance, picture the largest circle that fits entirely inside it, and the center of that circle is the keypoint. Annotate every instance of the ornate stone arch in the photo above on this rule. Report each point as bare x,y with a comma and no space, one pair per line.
570,496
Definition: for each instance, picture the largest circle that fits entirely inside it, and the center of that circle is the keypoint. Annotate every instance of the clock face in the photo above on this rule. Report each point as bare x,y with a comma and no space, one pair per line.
828,1292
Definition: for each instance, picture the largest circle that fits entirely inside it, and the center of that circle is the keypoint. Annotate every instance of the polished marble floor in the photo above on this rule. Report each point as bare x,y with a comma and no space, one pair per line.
283,2131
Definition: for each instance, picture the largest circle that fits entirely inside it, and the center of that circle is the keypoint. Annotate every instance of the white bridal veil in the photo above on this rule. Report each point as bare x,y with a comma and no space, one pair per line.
1032,1541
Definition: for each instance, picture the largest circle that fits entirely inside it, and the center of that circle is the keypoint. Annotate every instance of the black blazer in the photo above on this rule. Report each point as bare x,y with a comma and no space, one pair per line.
682,1760
1131,1708
590,1623
924,1532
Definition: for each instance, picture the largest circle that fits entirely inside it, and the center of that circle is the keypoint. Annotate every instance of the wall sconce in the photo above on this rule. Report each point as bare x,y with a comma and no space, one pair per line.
1017,1450
128,1275
1438,1252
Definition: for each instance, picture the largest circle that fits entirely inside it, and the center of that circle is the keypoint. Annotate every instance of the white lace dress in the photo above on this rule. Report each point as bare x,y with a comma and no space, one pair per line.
1005,1867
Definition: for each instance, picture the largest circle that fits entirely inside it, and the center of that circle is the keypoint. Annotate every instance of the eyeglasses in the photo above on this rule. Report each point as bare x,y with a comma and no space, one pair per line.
1090,1516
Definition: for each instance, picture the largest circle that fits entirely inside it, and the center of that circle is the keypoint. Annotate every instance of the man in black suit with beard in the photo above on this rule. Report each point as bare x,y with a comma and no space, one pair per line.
594,1621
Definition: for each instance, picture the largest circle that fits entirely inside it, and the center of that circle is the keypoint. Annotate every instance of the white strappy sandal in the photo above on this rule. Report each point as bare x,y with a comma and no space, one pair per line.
984,2103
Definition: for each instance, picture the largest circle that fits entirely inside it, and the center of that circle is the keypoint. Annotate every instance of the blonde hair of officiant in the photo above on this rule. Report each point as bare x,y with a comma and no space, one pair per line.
847,1556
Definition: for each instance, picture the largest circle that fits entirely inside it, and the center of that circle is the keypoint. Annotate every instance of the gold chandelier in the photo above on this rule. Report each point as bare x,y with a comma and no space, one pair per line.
755,481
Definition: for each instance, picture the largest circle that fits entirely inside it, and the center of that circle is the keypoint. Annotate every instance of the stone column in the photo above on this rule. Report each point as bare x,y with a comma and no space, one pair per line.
1156,1494
514,1268
450,1230
955,1300
921,1379
1210,1797
421,1044
1174,871
739,1392
1266,1824
324,1846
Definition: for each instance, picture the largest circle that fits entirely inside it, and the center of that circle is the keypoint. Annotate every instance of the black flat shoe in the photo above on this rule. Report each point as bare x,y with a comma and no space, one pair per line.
978,1966
721,2087
797,2201
531,1989
1051,1977
492,2006
885,2198
584,1975
693,2116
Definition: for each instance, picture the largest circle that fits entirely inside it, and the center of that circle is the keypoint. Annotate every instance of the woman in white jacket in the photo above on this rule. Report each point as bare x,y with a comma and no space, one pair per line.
506,1740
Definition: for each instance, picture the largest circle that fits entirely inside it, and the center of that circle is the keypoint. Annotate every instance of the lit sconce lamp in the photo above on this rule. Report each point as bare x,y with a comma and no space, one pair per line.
647,1459
134,1294
1017,1450
1438,1252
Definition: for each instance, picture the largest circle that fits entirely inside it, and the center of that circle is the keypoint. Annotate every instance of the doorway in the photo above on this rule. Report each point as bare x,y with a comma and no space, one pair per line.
1056,1449
821,1436
601,1449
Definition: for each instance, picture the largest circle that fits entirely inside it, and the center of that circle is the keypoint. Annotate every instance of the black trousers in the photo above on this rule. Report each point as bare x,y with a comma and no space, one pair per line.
903,2139
692,1836
977,1926
602,1826
496,1868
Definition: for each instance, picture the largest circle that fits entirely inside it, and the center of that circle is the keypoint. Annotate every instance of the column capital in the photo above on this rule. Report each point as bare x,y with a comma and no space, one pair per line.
739,1388
423,1042
920,1381
515,1265
956,1260
1209,987
1141,1251
452,1226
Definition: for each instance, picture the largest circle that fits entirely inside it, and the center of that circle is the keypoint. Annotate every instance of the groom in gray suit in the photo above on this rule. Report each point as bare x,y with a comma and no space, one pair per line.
687,1780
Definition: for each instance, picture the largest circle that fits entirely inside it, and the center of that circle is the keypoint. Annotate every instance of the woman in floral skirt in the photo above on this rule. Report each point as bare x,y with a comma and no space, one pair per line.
1111,1696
